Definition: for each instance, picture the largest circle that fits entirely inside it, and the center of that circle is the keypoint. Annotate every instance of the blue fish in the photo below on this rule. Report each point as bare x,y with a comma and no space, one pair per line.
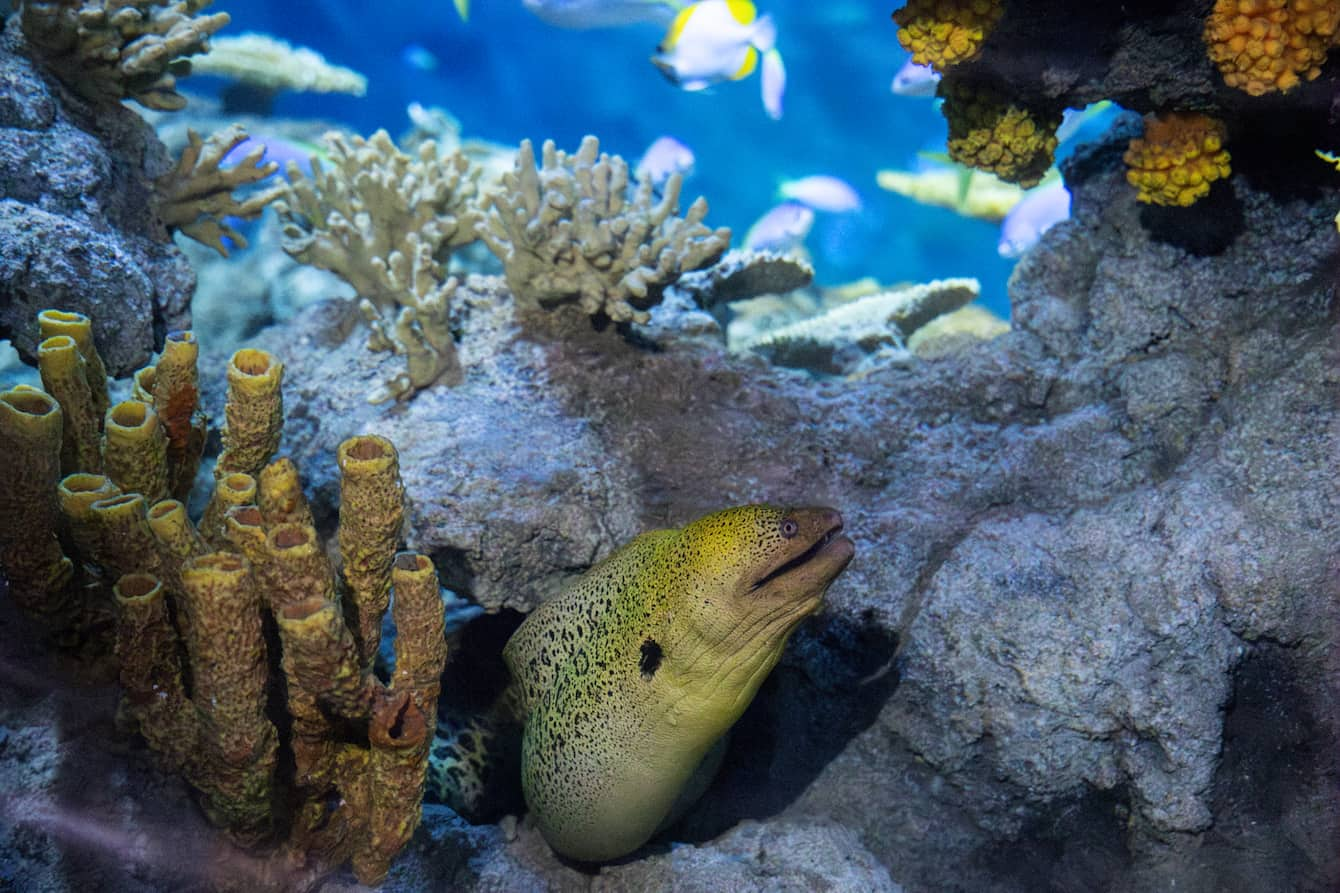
602,13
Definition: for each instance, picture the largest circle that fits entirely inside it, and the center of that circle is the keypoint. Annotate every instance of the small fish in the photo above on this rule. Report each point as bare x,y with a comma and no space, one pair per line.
1039,210
463,9
418,57
822,193
665,156
915,80
1073,120
711,41
782,229
580,14
274,149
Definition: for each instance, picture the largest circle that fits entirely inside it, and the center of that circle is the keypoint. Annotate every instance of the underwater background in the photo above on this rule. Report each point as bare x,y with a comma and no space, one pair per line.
507,75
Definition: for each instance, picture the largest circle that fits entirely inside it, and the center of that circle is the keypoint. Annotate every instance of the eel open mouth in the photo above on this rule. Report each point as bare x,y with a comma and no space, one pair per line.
829,544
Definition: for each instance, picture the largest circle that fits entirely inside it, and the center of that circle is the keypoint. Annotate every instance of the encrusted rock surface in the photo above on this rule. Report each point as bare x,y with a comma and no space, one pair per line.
75,230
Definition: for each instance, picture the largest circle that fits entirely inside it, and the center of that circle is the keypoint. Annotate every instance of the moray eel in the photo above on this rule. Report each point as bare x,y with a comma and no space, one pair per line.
627,679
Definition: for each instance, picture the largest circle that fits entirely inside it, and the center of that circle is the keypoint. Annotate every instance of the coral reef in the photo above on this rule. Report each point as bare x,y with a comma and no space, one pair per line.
386,223
1266,46
568,233
1177,159
943,33
195,667
991,132
270,64
129,49
196,196
1038,503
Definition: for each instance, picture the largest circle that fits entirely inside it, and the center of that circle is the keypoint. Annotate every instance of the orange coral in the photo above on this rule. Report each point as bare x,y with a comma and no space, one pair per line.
1262,46
990,132
1178,158
941,33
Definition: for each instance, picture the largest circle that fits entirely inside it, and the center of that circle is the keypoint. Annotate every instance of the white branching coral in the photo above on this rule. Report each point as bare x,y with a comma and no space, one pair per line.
386,222
269,63
109,50
196,196
568,232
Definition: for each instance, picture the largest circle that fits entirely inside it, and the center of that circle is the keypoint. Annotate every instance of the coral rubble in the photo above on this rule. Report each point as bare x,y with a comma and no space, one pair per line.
568,232
191,604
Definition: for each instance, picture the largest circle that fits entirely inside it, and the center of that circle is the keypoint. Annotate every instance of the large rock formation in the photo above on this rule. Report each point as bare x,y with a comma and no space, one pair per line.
76,229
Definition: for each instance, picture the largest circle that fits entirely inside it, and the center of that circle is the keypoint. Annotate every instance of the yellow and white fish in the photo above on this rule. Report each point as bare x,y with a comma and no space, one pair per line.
722,40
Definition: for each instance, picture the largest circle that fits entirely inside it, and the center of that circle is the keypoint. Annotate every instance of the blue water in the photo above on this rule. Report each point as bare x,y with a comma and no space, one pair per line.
507,75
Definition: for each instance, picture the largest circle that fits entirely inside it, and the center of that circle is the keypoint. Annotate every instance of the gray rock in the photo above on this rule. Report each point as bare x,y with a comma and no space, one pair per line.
76,231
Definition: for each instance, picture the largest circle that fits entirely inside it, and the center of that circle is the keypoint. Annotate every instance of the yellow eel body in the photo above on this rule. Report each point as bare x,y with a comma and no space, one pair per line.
628,678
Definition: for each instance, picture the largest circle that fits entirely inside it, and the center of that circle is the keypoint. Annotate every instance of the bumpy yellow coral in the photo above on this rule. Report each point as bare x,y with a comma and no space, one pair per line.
942,33
1262,46
1177,159
990,132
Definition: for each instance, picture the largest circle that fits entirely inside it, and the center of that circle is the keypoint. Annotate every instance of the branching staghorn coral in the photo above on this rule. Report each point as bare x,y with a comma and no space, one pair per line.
568,232
1266,46
1180,155
195,667
386,223
109,50
943,33
196,196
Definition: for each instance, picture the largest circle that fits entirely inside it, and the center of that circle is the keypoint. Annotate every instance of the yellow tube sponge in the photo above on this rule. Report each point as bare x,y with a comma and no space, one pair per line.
943,33
372,512
990,132
399,736
196,196
150,670
30,555
231,678
63,377
420,630
253,412
230,490
280,498
297,566
79,327
109,50
244,529
134,450
125,543
178,542
1180,155
176,398
142,384
76,495
569,233
1266,46
321,658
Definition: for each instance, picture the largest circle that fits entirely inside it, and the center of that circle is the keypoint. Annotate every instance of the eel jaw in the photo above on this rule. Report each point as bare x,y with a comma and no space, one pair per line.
804,574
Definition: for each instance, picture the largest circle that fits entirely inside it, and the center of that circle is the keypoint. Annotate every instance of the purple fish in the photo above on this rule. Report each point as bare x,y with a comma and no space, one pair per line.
275,149
665,156
1039,210
780,229
822,193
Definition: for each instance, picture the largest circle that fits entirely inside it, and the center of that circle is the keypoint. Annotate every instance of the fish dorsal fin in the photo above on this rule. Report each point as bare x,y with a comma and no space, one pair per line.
677,27
747,67
742,11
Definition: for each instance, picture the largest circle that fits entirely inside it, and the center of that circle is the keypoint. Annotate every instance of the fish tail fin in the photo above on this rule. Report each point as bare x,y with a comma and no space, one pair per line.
773,82
764,35
463,9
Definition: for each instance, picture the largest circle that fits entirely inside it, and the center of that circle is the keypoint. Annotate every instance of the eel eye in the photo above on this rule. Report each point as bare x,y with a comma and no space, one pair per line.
789,528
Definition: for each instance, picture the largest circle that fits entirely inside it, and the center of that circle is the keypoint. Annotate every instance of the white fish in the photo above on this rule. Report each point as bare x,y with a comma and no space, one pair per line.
915,80
781,229
711,41
822,193
1039,210
665,156
602,13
